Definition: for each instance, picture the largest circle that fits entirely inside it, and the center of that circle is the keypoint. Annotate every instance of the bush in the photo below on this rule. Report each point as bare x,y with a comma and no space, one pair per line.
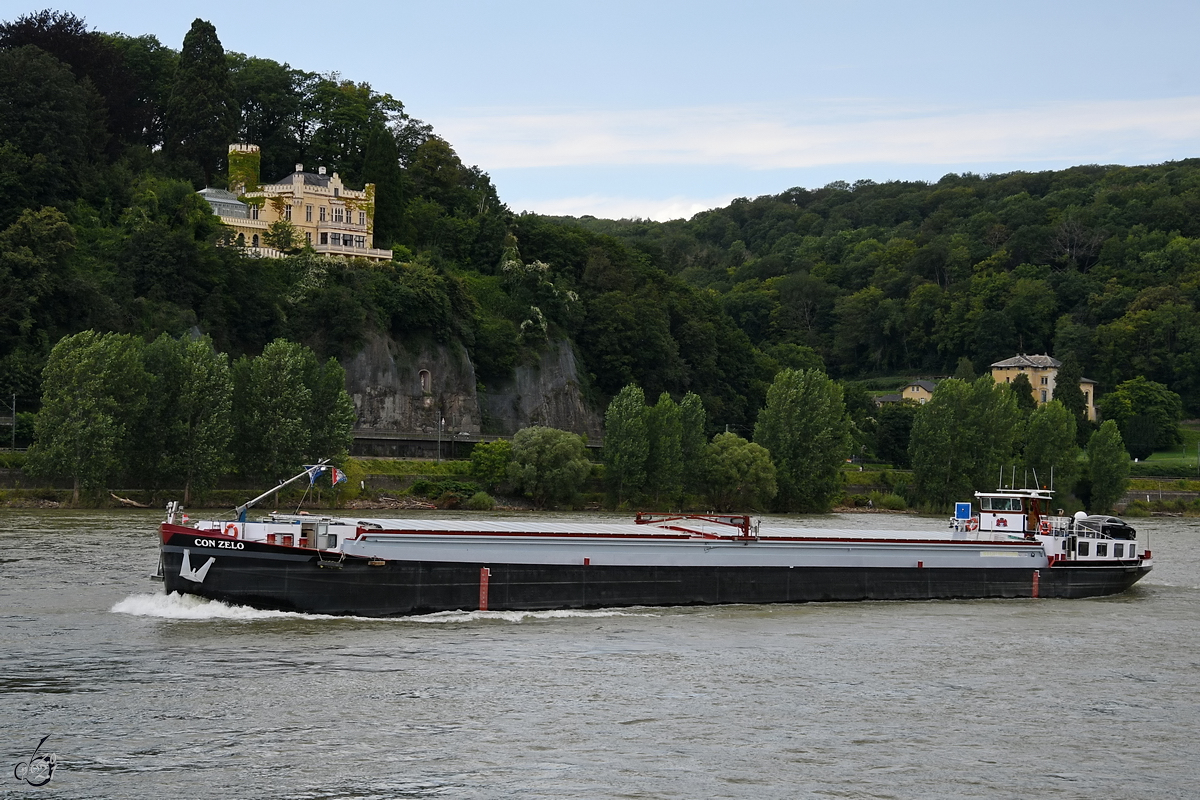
1162,469
459,490
481,501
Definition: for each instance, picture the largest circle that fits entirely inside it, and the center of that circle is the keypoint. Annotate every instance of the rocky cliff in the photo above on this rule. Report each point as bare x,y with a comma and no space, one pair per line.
411,385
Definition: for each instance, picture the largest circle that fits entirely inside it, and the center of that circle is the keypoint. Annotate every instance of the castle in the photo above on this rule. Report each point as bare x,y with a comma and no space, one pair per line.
324,214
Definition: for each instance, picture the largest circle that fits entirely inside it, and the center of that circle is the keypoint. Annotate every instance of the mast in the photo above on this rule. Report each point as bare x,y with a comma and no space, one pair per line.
311,472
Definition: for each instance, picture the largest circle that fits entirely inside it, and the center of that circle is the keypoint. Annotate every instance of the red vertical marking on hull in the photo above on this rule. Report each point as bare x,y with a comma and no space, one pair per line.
1037,574
484,574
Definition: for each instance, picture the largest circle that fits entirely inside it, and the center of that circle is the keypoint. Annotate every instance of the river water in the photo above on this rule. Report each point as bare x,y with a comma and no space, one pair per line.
143,695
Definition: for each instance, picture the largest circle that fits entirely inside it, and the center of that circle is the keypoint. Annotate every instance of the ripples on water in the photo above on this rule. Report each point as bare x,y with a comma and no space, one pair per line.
148,695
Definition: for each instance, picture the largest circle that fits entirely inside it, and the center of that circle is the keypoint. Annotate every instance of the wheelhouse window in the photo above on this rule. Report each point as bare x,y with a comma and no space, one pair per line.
1102,549
1000,503
1119,550
1083,548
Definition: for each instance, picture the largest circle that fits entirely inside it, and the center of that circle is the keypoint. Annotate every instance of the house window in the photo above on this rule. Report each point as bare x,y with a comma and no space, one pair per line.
322,213
1045,381
362,218
1043,395
324,238
1086,401
308,213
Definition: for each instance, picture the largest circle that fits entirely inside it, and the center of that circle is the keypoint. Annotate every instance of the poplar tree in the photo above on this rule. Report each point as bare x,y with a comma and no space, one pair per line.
381,166
692,421
1067,392
626,445
664,456
1050,449
1108,466
200,117
92,397
807,431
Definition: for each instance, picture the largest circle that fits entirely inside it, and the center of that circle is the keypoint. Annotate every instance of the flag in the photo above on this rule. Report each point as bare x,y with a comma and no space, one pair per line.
336,476
314,471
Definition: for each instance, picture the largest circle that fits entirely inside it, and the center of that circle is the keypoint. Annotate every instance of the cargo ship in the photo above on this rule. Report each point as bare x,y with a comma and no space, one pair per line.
1004,544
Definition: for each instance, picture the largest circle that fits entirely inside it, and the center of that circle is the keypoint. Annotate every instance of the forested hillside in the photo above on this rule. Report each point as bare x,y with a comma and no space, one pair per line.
1099,263
104,139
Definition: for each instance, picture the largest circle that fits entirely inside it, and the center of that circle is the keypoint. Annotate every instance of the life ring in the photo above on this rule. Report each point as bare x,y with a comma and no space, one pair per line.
231,530
1044,527
973,524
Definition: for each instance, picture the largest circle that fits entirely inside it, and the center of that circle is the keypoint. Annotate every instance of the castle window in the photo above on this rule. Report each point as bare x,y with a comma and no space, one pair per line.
337,215
335,239
360,241
308,237
1045,381
253,212
324,238
322,213
426,381
241,240
1043,395
287,212
254,241
308,213
335,192
362,218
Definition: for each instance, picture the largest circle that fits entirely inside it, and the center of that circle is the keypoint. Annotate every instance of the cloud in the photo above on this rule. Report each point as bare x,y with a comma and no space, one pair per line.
823,133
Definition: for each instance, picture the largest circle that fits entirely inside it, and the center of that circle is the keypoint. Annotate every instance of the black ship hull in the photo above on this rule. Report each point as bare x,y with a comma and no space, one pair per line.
294,579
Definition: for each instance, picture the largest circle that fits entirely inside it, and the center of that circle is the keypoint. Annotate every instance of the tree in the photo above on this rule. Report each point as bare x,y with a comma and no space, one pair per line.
283,236
664,458
489,462
200,117
1108,466
381,166
940,446
626,444
893,431
692,439
187,427
330,418
965,370
1147,414
961,438
805,428
1050,449
548,465
1022,391
92,396
290,409
738,475
1067,392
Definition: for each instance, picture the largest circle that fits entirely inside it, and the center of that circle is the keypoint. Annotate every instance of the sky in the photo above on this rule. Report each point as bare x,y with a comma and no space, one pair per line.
660,110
